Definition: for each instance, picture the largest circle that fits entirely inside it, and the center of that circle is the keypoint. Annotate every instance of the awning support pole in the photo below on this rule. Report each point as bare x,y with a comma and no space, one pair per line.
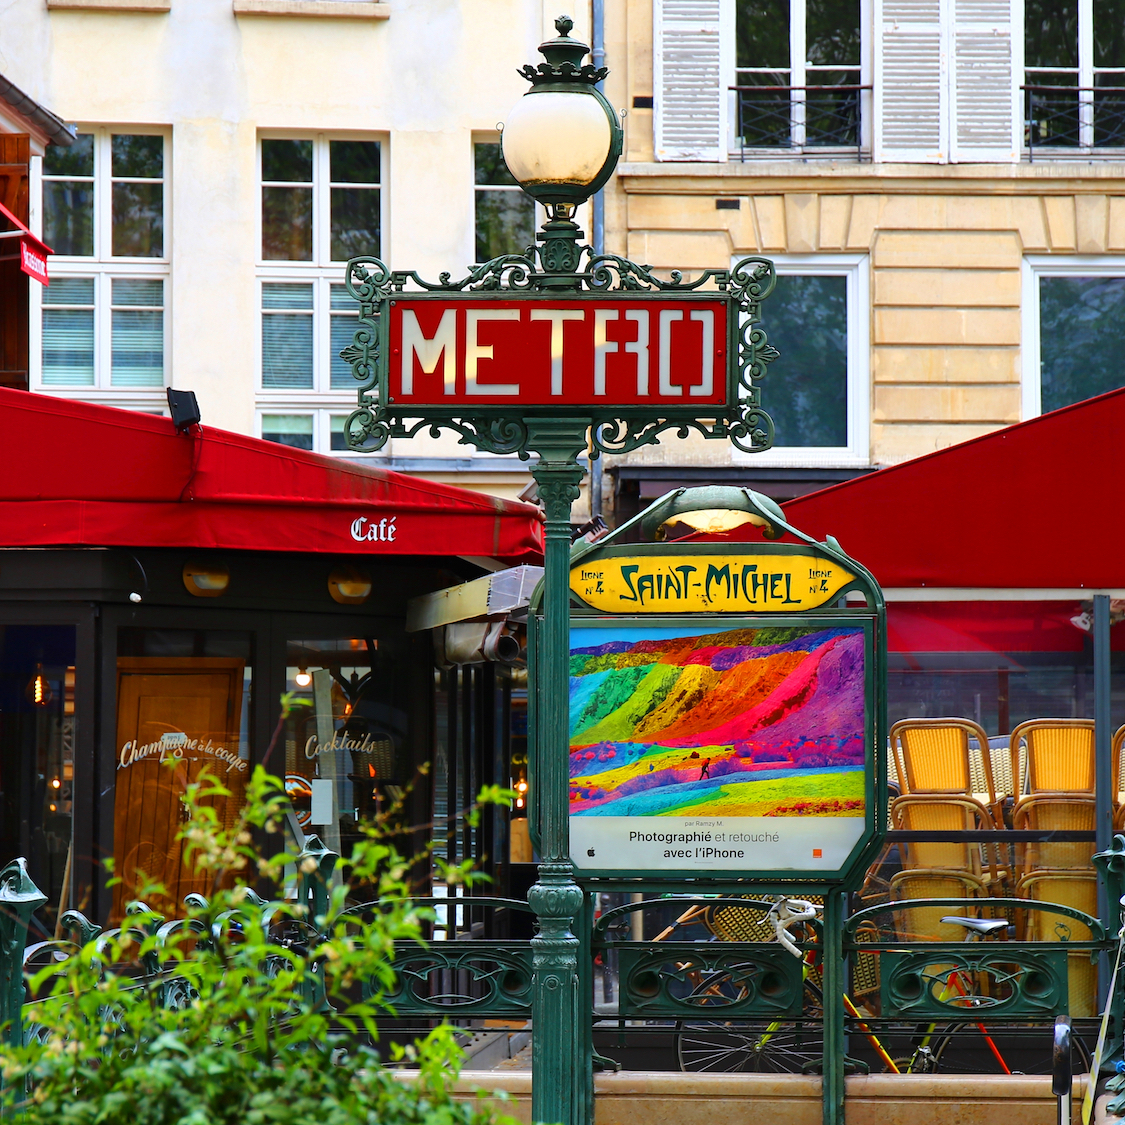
562,1072
1103,765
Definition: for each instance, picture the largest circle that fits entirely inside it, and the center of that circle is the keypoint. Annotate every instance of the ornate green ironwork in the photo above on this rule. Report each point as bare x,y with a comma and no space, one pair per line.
19,899
1001,980
539,270
463,978
717,980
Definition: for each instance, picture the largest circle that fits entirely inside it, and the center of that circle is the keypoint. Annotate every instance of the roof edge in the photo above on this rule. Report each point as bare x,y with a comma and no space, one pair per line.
54,128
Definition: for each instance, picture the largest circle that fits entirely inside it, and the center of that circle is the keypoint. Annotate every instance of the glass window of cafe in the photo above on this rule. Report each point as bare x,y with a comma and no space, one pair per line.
1018,676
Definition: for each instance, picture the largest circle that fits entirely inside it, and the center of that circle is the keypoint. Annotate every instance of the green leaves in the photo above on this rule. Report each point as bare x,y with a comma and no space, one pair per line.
243,1012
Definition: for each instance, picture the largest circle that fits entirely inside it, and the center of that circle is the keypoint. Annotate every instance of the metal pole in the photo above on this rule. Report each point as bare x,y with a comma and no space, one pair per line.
832,975
562,1073
597,57
1103,767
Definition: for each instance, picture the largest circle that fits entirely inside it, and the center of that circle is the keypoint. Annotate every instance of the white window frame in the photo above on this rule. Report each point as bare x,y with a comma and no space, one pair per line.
857,453
798,74
322,273
103,268
322,426
1034,267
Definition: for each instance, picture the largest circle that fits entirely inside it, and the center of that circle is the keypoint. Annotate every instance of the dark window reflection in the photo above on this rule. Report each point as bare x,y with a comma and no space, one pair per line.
1081,337
806,319
505,219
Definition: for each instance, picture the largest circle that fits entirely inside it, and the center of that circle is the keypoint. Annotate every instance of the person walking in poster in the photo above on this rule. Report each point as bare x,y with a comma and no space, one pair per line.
706,770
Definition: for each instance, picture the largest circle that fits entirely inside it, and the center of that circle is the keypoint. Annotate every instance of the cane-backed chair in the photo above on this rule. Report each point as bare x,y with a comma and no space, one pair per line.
1053,812
1118,804
937,756
1052,756
921,812
1076,889
925,924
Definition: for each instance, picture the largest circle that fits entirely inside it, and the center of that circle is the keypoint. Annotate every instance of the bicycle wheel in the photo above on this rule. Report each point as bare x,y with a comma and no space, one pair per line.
962,1048
772,1047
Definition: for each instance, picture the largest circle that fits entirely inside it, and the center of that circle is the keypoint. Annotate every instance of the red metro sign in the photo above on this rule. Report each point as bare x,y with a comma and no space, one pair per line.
542,350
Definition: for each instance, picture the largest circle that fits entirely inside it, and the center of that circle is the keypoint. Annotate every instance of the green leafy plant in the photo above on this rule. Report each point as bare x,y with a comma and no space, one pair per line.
244,1011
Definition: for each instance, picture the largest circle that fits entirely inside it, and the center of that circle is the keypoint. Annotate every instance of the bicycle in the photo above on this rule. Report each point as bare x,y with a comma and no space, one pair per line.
796,1046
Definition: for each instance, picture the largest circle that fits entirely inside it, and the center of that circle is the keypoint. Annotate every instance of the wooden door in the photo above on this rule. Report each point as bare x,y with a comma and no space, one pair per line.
175,718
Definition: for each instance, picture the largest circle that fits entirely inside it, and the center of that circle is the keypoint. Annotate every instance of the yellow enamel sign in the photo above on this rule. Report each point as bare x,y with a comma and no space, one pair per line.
708,583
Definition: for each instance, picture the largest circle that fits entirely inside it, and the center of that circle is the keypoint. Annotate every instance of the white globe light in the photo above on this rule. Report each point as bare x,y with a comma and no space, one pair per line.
556,138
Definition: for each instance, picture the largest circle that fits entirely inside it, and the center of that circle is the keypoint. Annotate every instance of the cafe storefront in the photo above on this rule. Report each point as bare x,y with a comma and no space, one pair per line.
160,590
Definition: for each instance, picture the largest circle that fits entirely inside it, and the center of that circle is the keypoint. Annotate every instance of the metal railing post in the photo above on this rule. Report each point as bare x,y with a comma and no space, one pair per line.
1062,1069
19,899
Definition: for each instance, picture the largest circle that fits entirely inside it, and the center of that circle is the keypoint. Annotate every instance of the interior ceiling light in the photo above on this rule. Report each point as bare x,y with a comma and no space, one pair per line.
39,692
206,580
303,677
349,585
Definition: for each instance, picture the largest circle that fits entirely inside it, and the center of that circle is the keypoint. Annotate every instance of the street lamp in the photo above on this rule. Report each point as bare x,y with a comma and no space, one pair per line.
561,141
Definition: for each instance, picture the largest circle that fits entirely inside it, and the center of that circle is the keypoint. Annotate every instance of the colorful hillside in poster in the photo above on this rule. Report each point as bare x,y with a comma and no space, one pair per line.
746,722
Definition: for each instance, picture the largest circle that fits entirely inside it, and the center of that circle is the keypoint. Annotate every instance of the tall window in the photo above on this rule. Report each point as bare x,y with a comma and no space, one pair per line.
102,321
817,393
319,430
1074,59
505,213
321,205
798,73
1074,331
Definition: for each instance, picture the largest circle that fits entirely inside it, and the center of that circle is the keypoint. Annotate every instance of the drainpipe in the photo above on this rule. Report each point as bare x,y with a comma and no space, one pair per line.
597,54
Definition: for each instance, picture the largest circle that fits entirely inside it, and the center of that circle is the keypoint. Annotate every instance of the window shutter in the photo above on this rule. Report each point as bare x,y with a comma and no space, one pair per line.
985,114
690,114
910,82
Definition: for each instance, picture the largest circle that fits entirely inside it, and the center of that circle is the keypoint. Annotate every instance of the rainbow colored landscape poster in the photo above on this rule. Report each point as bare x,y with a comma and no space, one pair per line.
715,749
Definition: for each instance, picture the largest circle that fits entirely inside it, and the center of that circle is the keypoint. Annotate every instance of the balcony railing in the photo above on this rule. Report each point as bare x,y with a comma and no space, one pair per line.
798,118
1074,118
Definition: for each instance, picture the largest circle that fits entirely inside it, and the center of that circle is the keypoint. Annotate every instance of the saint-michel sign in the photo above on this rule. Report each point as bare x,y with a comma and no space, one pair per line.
551,350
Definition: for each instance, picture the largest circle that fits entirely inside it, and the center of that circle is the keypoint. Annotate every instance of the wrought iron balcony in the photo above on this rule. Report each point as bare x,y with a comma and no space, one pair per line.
1073,118
798,118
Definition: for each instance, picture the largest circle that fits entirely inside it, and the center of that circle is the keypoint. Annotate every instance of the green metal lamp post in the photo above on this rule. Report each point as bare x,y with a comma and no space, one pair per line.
561,142
554,351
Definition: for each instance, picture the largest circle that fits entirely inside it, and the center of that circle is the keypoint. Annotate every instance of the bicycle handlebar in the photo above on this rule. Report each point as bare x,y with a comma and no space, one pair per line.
783,915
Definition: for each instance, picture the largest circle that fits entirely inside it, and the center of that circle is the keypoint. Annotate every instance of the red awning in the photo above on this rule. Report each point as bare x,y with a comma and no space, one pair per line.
81,475
1038,505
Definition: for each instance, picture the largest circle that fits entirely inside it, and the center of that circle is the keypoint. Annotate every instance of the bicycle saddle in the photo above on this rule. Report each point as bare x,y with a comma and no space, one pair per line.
982,926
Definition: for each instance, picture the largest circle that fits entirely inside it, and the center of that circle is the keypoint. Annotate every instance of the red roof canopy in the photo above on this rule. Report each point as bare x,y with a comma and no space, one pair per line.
81,475
1038,505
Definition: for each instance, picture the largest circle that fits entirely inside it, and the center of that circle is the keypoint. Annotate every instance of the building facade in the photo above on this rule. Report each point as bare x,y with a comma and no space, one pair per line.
230,156
941,185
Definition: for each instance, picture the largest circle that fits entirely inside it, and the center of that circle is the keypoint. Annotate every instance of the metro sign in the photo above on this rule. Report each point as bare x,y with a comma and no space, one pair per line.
484,354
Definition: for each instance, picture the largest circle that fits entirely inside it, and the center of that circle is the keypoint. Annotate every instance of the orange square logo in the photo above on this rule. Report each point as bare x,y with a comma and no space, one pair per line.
817,853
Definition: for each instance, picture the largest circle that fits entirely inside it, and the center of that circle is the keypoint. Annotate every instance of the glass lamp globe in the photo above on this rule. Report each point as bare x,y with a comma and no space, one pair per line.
561,140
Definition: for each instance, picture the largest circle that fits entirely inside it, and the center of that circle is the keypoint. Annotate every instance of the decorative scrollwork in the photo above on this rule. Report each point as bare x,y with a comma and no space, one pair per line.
476,977
374,421
1014,982
727,980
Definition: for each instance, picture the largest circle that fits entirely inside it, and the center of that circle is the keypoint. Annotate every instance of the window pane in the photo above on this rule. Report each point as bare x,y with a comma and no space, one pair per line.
138,348
1082,337
832,34
68,217
288,161
287,224
338,439
138,220
138,291
342,332
1051,33
505,223
1109,111
1053,113
289,429
68,346
762,33
489,166
283,295
1109,34
69,291
355,222
77,159
340,298
353,162
138,156
287,339
806,391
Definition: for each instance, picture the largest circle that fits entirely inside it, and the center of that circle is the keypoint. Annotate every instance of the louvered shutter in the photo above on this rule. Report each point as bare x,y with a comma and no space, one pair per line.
985,113
910,82
690,111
